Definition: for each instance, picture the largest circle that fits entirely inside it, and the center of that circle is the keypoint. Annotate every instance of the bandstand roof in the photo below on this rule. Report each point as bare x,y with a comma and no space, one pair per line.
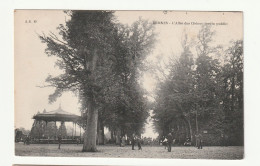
56,115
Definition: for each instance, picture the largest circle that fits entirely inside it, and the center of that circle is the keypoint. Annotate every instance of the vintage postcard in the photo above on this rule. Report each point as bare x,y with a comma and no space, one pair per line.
129,84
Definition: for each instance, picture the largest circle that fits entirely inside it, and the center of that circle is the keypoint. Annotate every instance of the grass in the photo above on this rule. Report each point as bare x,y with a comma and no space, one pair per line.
72,150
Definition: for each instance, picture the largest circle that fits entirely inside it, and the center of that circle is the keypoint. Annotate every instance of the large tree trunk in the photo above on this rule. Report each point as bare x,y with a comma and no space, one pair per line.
191,134
112,135
98,132
187,121
102,133
90,134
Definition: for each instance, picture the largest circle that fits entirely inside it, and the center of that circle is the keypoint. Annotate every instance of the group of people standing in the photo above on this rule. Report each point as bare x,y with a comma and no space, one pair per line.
136,140
169,140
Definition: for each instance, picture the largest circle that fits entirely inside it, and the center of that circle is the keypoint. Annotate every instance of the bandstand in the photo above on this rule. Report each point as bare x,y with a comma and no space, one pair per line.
60,116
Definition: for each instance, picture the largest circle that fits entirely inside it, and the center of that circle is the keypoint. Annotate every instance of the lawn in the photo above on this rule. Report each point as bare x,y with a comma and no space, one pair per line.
72,150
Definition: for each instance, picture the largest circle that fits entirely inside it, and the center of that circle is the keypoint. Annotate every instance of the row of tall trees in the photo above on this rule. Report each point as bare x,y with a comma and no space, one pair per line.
102,61
201,93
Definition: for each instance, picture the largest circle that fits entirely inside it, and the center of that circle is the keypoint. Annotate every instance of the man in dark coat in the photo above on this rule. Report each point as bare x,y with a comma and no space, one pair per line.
59,140
199,141
133,142
169,140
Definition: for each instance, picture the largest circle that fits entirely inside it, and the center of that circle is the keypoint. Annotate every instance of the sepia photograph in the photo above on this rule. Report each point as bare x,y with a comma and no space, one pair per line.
129,84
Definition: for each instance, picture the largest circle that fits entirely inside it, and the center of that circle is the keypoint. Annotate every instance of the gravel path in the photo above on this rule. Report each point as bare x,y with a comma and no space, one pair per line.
232,152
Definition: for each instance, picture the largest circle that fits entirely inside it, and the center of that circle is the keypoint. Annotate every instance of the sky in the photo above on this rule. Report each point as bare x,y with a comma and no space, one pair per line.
32,65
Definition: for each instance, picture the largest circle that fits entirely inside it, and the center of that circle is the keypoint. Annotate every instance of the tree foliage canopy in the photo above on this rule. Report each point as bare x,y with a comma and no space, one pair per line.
102,62
200,93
